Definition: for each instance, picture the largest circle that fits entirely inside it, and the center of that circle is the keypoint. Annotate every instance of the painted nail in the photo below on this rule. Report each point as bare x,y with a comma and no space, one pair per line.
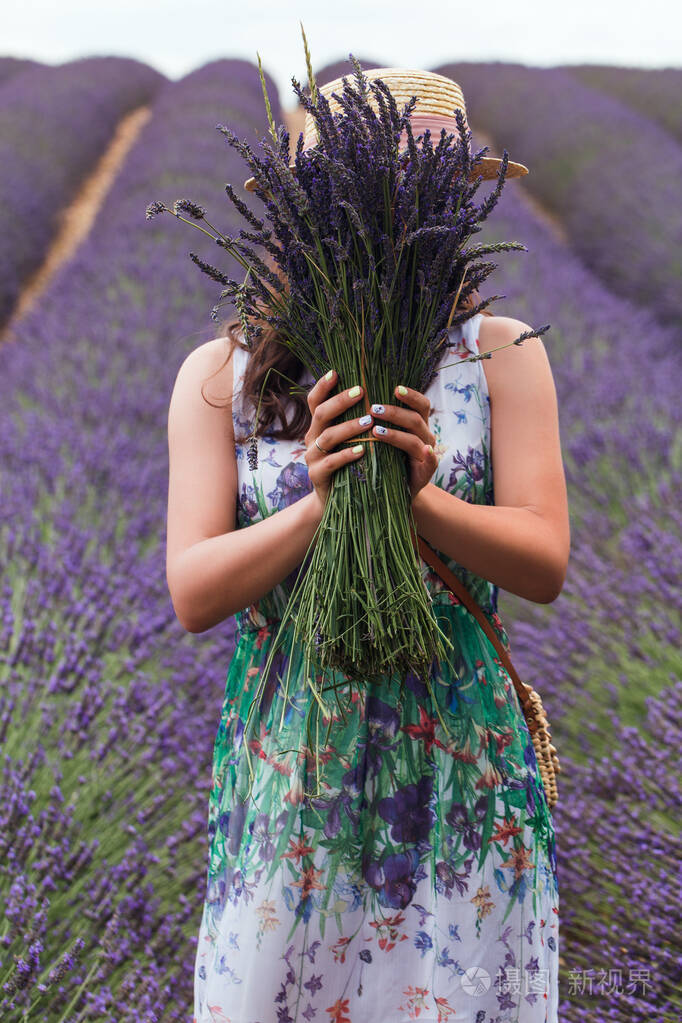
329,375
354,391
380,429
357,449
402,390
365,421
378,410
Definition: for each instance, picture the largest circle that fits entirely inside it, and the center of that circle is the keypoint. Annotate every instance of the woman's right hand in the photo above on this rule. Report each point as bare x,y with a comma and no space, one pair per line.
324,409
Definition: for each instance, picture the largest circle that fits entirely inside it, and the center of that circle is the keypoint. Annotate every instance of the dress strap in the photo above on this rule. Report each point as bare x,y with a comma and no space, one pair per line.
470,330
239,360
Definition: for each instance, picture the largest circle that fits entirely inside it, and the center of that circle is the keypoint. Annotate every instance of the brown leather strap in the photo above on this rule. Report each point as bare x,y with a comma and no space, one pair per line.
451,580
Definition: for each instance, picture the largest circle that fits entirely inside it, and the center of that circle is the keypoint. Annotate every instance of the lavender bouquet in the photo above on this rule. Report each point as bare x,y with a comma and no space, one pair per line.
373,242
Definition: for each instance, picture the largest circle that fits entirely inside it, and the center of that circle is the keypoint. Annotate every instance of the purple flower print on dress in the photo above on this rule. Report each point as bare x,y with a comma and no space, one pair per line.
466,393
236,826
270,459
291,485
473,467
382,719
351,786
415,685
447,879
383,722
458,818
248,506
408,811
260,831
394,879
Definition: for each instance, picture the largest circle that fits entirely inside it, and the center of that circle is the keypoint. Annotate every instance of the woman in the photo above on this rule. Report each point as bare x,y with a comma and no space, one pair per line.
422,883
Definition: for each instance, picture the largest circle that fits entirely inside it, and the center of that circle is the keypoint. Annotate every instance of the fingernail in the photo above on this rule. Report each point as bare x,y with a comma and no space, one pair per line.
378,409
380,429
354,391
365,421
402,390
329,375
357,449
430,448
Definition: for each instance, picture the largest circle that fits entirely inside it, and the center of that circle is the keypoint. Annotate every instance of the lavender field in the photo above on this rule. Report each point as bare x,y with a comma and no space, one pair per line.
108,709
54,124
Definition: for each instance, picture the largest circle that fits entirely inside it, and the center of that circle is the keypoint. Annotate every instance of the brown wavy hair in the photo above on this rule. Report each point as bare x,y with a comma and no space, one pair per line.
268,353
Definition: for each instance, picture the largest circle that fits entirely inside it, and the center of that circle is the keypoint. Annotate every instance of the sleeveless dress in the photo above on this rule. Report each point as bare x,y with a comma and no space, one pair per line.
422,884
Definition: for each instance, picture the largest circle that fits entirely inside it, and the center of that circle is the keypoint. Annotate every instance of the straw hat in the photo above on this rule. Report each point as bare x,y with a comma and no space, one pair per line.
437,99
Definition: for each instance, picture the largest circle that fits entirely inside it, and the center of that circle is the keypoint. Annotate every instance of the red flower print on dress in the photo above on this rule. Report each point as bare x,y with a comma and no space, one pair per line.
338,1012
415,1001
339,950
445,1010
298,849
308,881
520,860
425,730
508,829
390,925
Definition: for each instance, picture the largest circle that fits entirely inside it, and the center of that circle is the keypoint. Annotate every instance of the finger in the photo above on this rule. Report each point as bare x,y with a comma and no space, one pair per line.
340,432
327,464
415,399
412,421
331,408
321,389
409,442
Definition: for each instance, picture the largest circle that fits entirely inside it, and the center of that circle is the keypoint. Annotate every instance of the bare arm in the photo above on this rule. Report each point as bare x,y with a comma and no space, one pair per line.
214,569
522,542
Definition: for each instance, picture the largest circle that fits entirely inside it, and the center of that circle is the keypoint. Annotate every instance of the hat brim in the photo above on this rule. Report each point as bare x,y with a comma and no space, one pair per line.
486,168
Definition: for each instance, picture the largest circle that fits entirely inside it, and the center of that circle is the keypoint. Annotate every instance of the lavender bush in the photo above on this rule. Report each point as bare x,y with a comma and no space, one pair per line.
107,706
55,122
610,173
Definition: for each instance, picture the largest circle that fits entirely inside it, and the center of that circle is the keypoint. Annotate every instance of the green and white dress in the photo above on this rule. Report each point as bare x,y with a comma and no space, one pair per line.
422,883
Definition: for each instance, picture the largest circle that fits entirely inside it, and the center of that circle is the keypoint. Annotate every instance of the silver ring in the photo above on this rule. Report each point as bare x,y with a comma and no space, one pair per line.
319,448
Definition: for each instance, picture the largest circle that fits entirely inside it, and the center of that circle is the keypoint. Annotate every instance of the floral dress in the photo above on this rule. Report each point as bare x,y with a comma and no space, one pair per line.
422,882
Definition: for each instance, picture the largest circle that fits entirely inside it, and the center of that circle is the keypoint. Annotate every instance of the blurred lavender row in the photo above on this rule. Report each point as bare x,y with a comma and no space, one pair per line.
108,708
10,66
654,92
609,172
55,123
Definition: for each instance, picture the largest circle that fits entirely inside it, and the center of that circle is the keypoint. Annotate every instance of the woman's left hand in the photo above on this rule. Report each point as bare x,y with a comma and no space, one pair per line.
416,438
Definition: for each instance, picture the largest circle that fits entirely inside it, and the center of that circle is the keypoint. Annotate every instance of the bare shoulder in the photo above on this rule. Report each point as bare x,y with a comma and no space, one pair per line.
525,438
523,368
202,469
213,359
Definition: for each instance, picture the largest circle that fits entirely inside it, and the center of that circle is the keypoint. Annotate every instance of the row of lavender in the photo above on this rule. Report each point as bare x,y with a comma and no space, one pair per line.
10,66
654,92
106,705
55,122
98,600
609,171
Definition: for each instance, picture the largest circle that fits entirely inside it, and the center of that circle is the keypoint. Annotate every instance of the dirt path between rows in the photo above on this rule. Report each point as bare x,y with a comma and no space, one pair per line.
77,218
